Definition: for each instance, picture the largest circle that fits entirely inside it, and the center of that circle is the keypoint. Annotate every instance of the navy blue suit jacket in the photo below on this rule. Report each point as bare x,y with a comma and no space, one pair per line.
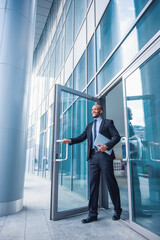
107,129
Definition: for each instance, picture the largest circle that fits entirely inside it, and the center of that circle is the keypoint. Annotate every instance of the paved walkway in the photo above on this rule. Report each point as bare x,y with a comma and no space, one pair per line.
33,222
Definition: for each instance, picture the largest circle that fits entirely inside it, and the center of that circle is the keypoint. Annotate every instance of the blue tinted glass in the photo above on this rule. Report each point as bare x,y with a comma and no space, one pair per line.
69,30
91,88
43,122
69,82
59,27
79,150
88,2
144,142
80,74
79,14
145,29
41,152
114,24
58,56
90,60
67,4
52,66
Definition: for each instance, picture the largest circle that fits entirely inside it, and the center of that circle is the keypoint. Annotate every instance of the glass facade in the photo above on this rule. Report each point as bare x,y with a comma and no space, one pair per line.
89,59
144,142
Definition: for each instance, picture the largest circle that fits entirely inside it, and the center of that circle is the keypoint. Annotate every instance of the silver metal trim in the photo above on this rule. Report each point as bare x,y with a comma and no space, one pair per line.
150,151
64,159
8,208
54,214
124,140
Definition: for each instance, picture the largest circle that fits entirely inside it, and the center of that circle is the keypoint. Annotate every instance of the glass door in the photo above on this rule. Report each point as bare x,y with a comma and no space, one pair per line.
142,88
115,110
69,193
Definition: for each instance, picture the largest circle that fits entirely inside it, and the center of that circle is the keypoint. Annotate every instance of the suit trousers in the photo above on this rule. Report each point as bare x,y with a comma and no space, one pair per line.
100,162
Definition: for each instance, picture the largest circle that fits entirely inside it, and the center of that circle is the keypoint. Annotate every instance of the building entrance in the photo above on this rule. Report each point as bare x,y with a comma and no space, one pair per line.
114,109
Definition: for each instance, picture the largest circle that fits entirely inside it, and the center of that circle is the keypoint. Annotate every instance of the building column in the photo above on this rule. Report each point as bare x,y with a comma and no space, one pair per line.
17,24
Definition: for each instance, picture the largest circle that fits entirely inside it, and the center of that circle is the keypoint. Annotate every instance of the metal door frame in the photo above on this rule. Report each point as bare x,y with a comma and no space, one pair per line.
150,51
54,214
143,55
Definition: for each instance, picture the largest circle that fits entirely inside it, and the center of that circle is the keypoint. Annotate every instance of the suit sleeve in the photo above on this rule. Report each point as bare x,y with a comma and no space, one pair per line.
80,138
115,137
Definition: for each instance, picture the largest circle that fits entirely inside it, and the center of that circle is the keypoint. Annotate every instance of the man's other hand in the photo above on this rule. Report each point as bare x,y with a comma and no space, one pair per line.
102,148
66,141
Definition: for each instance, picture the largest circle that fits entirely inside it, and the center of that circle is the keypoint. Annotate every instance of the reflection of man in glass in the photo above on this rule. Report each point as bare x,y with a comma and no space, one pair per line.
135,147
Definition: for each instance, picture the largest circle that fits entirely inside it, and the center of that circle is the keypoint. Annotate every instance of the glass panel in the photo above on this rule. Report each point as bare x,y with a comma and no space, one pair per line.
144,143
41,153
90,60
90,22
69,30
115,111
140,35
88,2
116,21
80,166
79,13
58,56
79,75
43,122
91,88
73,176
69,82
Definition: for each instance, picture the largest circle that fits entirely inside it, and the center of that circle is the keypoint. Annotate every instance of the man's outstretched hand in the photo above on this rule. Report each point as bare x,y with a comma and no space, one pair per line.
66,141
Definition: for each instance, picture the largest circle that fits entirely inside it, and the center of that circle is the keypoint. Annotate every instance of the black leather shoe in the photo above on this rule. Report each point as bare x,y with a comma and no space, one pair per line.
89,219
116,216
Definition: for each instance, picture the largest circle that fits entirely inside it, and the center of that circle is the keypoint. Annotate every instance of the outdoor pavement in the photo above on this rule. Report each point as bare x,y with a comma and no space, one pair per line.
33,222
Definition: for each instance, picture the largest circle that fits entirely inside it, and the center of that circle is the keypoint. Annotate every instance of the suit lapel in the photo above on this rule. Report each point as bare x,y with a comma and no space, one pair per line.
101,127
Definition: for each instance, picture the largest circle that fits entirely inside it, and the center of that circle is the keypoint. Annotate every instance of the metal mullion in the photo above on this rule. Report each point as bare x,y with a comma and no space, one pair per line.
72,121
55,165
127,150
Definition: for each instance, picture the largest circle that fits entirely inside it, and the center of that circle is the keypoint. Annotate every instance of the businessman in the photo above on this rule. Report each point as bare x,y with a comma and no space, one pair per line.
100,162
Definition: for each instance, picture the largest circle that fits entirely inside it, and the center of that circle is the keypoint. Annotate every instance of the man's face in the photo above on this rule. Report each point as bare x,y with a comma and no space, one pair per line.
96,111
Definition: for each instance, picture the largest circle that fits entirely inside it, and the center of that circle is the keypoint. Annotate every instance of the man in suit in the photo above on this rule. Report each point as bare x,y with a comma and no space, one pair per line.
100,162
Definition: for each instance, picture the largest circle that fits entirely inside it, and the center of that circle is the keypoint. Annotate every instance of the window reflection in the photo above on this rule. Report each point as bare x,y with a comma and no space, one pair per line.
115,23
132,44
79,13
69,30
142,88
90,60
79,75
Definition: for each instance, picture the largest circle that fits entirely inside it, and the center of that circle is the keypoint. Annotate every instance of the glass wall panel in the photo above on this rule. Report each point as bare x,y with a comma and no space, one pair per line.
144,143
80,7
69,83
69,31
92,88
43,122
90,60
58,56
88,2
79,75
145,29
90,22
80,166
115,111
41,154
116,21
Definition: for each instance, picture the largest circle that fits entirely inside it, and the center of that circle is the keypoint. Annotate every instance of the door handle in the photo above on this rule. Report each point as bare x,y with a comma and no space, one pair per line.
124,141
60,159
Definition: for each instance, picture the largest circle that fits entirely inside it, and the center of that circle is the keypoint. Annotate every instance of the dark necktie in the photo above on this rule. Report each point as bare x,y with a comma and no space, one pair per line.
95,129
